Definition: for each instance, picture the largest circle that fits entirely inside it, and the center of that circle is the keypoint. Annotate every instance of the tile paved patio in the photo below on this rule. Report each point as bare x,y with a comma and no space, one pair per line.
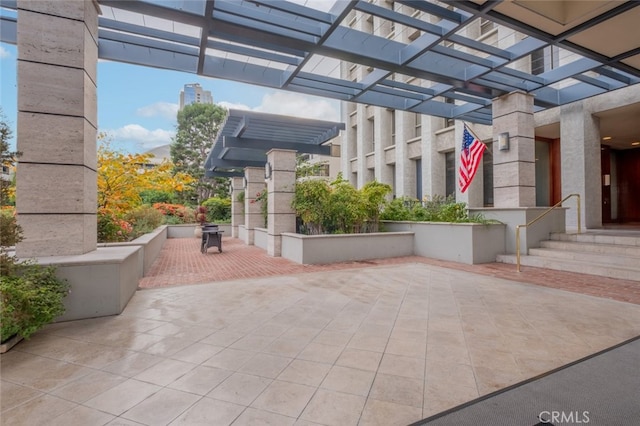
350,344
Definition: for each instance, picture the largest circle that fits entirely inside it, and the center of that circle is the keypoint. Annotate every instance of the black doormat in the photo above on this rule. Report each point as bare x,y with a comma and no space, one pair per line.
601,389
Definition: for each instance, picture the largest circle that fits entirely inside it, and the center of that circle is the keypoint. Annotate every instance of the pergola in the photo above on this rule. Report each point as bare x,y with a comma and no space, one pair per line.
290,46
245,137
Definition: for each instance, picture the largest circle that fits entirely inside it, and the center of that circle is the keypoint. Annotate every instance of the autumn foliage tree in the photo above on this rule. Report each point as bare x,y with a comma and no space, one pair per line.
122,177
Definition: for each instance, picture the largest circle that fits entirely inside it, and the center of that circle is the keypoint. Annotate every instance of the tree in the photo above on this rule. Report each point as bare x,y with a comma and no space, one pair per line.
123,177
197,127
8,159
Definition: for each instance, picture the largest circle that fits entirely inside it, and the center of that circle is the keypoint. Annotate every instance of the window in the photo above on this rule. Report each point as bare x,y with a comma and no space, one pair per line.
543,60
418,125
487,176
450,174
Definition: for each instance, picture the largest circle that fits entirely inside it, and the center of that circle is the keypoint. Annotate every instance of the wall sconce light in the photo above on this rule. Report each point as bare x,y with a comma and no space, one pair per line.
606,180
267,170
503,141
244,182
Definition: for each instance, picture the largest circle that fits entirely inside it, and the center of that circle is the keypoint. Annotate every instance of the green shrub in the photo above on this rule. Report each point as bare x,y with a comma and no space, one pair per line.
337,207
144,220
152,196
30,299
112,229
218,209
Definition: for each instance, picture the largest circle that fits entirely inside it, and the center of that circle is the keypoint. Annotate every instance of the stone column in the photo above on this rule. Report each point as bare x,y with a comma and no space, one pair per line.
581,168
514,180
57,121
237,207
281,187
252,215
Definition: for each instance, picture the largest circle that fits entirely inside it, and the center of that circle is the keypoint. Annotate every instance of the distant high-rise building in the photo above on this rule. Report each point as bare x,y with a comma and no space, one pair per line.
194,93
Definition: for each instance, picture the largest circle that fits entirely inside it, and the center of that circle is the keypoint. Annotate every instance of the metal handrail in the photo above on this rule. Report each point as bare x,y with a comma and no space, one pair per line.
543,214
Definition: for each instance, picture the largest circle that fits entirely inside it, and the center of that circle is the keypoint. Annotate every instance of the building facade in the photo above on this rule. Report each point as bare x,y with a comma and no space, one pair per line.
194,94
587,147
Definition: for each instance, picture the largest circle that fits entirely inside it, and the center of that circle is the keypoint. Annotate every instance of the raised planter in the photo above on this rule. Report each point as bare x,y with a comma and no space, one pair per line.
321,249
9,343
469,243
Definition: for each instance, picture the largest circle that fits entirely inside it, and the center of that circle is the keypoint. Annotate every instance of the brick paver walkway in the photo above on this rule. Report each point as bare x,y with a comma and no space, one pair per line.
180,262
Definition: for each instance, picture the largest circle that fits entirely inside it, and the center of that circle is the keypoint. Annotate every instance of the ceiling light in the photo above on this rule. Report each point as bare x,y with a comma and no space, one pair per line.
635,143
606,138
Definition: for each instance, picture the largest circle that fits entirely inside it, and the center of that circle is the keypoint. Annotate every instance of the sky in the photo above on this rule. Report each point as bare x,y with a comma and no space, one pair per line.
137,105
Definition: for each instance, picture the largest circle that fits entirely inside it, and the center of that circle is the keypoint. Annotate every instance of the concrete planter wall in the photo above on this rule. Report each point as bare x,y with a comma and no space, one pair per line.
320,249
260,236
102,281
150,245
186,230
531,236
469,243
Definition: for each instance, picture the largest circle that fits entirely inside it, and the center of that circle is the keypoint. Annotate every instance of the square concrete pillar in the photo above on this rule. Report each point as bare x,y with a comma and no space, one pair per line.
57,120
237,207
253,217
281,186
514,169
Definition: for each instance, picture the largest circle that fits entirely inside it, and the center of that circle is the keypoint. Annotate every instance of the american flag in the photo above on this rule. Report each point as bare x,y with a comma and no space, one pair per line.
470,157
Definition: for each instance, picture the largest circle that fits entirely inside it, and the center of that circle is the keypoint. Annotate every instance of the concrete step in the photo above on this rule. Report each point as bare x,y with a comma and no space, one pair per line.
570,265
584,256
607,249
631,239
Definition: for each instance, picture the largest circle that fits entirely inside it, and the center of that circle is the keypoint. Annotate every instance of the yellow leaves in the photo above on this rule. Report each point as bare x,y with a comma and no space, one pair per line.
123,176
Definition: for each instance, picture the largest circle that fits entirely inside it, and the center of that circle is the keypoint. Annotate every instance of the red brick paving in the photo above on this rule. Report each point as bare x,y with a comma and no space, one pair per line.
180,262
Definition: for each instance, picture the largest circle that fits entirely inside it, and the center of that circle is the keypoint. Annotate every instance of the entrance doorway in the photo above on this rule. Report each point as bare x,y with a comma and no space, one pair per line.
548,181
620,185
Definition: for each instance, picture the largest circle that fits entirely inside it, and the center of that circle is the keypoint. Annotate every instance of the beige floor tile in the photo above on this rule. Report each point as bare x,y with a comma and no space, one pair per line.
404,366
407,347
162,407
265,365
222,338
197,353
285,347
253,342
383,413
81,416
37,411
368,342
288,399
201,380
320,353
132,364
209,412
39,372
12,395
305,372
165,372
333,338
240,389
397,389
349,380
334,408
254,417
229,359
88,386
358,358
119,421
121,398
168,346
306,334
141,341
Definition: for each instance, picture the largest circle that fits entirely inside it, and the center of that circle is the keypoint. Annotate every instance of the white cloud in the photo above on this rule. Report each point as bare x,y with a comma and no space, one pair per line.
162,109
4,53
296,105
230,105
142,137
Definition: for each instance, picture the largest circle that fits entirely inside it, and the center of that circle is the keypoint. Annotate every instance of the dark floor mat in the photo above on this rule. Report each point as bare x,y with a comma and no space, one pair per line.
602,389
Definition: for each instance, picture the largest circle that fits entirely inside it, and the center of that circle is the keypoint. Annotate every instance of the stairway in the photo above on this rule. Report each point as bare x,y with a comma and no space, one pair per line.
612,254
